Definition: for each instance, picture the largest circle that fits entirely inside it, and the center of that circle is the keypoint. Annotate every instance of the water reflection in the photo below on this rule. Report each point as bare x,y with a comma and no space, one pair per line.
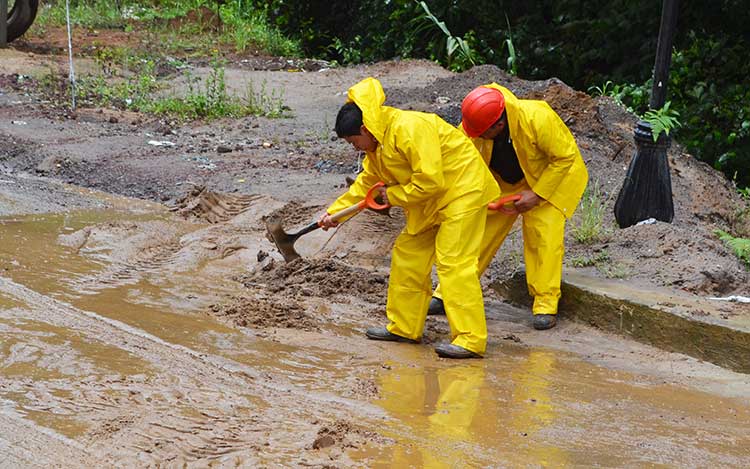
471,415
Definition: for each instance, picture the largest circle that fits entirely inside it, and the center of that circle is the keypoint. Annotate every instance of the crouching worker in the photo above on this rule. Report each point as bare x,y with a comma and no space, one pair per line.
533,154
437,176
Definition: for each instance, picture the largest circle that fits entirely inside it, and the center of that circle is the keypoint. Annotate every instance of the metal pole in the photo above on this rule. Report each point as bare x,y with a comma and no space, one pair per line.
663,54
3,23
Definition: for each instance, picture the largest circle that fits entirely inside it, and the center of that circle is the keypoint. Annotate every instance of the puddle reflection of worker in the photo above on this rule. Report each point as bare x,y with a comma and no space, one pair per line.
432,171
454,411
441,406
532,154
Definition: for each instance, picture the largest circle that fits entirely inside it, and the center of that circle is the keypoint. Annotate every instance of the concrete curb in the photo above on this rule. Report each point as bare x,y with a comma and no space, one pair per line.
670,320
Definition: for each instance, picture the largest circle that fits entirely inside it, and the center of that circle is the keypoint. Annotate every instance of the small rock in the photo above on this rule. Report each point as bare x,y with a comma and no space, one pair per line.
323,442
113,120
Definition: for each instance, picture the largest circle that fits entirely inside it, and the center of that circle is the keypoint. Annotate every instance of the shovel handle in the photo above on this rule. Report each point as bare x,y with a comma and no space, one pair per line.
501,203
368,202
348,211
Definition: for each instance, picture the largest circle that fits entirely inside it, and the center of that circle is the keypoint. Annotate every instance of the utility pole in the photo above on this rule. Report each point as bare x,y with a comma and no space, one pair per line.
647,189
3,23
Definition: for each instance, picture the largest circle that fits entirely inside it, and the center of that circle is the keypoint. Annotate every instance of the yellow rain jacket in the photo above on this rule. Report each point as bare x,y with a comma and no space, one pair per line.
547,152
421,158
438,177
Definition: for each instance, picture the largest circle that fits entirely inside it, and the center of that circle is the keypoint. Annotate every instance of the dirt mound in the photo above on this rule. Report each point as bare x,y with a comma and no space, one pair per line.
323,278
579,111
210,206
260,312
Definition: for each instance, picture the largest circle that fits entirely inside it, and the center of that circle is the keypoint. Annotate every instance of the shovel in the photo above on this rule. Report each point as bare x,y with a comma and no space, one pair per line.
285,241
500,204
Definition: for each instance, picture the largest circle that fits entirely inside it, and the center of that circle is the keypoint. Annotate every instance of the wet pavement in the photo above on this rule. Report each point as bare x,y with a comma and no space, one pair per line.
108,352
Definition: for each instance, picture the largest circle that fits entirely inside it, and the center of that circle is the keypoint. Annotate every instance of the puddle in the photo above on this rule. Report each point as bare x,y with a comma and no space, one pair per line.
541,408
521,406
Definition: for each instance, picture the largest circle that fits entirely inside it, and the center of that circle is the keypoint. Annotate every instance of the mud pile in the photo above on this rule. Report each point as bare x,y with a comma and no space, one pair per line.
323,278
342,435
260,312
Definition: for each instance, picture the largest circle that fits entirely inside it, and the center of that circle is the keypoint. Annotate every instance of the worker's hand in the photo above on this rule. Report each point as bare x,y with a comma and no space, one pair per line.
382,197
327,222
529,200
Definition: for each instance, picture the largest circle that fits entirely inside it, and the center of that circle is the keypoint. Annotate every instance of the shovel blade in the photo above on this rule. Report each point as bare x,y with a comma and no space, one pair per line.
283,241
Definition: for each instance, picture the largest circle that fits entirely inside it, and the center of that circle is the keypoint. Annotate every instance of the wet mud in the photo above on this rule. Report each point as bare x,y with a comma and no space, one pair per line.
261,311
323,278
138,378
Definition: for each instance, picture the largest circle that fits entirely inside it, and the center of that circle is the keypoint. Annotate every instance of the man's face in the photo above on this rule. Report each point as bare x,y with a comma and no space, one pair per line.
364,141
495,130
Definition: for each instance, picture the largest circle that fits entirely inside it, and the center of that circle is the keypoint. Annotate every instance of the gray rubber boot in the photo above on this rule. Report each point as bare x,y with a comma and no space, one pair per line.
544,321
436,307
454,351
381,333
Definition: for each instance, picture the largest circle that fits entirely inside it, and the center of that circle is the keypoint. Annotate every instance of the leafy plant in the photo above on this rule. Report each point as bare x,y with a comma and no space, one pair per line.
740,246
139,91
512,61
464,55
662,120
589,226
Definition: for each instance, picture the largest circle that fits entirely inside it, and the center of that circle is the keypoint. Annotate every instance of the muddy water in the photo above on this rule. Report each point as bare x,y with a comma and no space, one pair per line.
115,351
541,408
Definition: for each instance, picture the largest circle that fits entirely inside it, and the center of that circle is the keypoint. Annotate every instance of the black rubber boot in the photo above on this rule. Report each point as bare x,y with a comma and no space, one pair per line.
381,333
544,321
436,307
454,351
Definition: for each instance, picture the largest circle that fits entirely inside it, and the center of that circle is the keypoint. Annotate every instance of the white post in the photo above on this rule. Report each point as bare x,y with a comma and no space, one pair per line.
70,57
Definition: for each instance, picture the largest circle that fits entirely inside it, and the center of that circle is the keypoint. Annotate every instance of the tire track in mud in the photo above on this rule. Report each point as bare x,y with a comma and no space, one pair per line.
196,407
148,247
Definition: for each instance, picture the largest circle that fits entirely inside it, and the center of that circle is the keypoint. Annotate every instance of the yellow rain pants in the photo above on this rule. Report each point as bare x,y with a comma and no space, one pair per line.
453,246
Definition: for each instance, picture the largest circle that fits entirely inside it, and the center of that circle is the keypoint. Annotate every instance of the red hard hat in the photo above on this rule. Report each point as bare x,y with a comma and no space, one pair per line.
480,109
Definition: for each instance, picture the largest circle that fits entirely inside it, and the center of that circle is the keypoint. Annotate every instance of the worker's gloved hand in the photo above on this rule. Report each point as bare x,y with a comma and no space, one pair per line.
327,222
382,198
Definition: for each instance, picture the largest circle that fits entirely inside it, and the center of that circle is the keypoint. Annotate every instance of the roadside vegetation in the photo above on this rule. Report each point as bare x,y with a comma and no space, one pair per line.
131,83
169,36
587,226
192,27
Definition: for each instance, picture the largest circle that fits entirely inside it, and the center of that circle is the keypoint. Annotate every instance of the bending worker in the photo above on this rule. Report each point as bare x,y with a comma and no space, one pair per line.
531,153
437,176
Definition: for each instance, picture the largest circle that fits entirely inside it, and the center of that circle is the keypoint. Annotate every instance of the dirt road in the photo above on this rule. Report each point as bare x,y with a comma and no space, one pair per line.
169,332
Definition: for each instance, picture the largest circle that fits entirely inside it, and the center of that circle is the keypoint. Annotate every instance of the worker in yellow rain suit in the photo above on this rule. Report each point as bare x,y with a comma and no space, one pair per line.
437,176
533,154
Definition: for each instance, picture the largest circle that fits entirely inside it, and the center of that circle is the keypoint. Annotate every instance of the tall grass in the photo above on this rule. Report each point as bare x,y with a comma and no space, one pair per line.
588,224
